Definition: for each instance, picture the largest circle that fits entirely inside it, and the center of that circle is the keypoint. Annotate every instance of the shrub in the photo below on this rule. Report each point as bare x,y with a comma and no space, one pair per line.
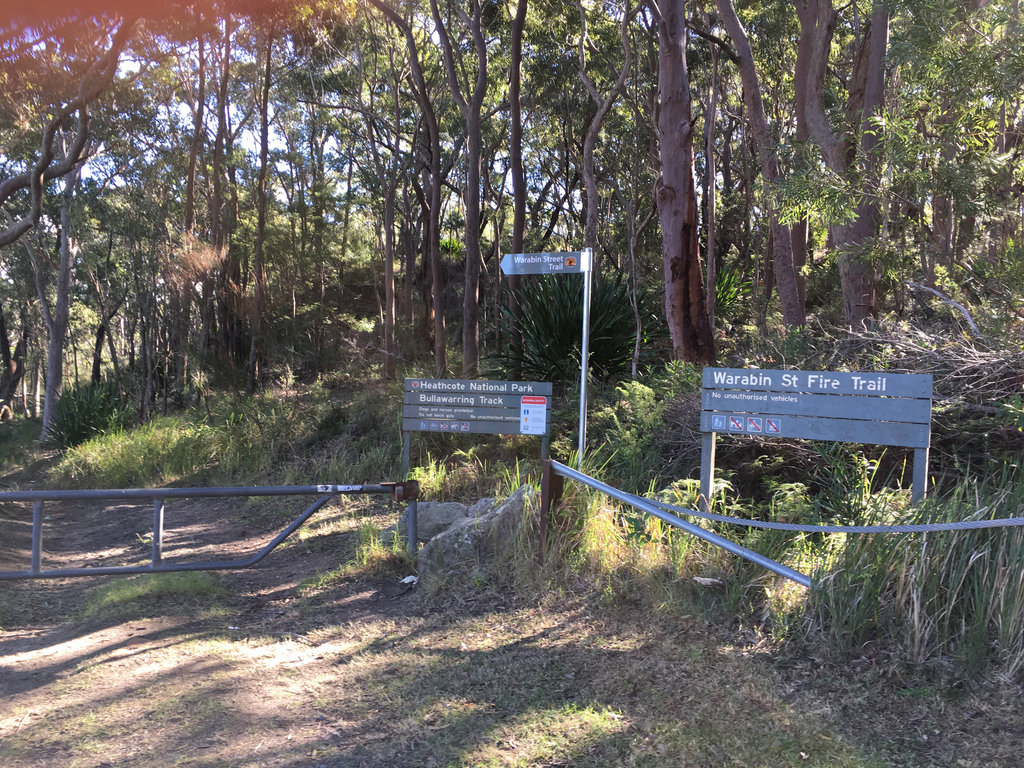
550,324
88,410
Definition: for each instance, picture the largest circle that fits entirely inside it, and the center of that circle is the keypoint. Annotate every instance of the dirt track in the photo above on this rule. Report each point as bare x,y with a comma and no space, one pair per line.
123,685
297,663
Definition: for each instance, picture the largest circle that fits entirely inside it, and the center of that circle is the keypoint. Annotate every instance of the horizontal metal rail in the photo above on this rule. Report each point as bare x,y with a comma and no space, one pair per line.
551,489
405,491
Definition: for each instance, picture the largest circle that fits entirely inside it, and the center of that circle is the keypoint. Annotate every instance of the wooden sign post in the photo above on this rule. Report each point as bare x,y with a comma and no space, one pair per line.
879,408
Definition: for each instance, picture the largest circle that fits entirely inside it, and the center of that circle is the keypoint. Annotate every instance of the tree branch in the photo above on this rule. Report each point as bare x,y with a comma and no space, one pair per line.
727,49
96,79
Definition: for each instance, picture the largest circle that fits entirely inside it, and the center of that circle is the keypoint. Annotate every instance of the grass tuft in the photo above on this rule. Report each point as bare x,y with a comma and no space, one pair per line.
934,597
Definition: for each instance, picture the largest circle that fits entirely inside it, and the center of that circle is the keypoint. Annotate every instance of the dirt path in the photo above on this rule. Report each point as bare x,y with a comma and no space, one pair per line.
83,683
300,662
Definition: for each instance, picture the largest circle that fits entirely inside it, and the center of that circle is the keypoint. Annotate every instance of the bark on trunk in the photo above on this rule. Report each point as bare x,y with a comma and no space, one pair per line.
256,323
518,171
685,308
785,271
851,239
433,245
709,190
12,371
470,105
57,323
592,199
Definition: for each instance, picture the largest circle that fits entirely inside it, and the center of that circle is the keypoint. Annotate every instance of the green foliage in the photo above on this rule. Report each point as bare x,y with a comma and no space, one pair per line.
954,595
86,411
629,427
1013,412
844,481
551,322
233,438
17,442
626,424
731,292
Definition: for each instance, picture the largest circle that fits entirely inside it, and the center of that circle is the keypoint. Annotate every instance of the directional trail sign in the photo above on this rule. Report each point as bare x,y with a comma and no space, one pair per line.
555,263
563,263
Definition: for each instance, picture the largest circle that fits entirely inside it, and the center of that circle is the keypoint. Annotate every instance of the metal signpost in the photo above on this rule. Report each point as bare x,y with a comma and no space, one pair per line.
879,408
559,263
471,406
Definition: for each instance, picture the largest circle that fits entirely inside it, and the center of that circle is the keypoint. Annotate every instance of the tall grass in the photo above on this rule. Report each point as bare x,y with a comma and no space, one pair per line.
948,595
230,440
953,599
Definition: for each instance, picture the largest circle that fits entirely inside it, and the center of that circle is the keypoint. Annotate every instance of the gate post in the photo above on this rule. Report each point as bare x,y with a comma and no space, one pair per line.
551,485
411,521
37,537
158,531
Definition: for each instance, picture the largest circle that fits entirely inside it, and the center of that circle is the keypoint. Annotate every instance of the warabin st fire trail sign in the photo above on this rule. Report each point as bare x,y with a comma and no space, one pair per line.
852,407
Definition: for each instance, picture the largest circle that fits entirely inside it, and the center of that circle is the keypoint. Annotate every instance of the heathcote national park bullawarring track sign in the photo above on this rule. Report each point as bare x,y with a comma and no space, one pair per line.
469,406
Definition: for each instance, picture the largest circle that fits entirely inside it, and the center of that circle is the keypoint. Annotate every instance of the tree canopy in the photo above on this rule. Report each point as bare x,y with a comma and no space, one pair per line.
224,189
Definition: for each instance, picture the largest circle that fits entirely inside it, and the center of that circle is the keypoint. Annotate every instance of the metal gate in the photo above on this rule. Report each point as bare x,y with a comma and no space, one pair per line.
407,491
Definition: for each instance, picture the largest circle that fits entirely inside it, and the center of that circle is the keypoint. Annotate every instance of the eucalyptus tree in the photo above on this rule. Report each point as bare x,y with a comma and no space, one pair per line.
386,138
13,359
848,150
258,320
56,307
432,247
515,152
469,96
785,267
952,158
685,308
603,103
39,64
633,169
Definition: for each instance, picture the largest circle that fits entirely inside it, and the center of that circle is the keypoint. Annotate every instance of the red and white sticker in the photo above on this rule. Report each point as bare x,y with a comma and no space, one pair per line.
533,415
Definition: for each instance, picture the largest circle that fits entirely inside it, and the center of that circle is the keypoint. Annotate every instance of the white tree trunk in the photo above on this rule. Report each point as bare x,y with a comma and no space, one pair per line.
57,326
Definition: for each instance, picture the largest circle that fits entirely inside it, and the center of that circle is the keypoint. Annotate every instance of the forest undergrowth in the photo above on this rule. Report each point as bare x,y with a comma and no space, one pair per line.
949,602
936,617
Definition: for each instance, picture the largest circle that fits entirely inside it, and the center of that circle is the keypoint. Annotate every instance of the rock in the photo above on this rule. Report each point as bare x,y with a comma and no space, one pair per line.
432,518
480,508
492,530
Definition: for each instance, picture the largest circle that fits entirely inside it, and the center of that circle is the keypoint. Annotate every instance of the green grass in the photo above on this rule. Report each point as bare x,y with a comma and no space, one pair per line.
374,557
235,438
153,593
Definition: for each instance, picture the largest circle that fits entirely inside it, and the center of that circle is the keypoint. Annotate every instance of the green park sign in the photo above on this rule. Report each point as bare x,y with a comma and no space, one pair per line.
471,406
